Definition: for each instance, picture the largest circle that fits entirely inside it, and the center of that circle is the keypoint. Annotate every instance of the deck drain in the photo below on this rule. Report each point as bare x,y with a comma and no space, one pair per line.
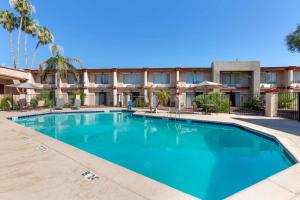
90,175
42,148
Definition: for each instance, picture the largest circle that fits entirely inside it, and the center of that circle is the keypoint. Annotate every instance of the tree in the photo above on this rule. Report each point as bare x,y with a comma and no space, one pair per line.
10,23
150,97
30,27
24,8
57,62
163,98
44,37
293,40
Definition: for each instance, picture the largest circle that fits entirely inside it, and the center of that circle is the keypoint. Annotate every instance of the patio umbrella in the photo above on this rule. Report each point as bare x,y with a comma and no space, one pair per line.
206,85
24,85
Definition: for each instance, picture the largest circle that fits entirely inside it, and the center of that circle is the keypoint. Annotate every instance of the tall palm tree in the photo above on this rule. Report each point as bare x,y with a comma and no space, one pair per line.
57,62
25,8
44,37
10,23
30,27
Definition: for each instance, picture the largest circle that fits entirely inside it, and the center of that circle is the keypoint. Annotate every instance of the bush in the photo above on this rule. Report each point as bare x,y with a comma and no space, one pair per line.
255,104
34,102
139,102
7,103
213,102
48,97
286,100
73,94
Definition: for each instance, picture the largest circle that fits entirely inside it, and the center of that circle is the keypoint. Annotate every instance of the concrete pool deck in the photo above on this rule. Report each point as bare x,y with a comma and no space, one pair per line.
35,166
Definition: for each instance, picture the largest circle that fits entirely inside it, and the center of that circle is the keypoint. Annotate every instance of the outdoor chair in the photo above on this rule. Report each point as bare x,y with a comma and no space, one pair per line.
59,104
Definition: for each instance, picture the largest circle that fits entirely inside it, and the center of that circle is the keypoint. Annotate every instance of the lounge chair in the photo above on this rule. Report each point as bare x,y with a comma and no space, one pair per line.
59,104
77,104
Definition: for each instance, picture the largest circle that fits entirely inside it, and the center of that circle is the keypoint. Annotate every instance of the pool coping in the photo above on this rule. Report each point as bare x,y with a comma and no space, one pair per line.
277,182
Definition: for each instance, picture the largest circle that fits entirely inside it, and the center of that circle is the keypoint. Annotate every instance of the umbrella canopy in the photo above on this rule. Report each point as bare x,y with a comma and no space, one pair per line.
209,85
24,86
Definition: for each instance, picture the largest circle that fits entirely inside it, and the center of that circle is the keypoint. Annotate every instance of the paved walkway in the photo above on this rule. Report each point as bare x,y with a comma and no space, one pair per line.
35,166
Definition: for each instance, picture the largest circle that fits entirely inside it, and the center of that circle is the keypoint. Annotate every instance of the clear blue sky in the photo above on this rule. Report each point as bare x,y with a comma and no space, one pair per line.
166,33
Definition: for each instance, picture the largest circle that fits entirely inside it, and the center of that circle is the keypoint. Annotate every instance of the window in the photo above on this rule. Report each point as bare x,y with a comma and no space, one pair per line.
194,78
71,79
161,78
50,79
104,79
132,79
269,77
230,79
296,77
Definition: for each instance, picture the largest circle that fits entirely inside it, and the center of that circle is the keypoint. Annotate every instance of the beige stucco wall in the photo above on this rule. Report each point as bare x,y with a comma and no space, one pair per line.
19,74
239,66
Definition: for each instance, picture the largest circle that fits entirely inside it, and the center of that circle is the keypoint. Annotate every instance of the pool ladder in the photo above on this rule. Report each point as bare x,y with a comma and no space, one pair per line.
176,114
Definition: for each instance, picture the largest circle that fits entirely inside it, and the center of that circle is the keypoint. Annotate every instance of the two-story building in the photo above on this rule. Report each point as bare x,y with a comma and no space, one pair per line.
116,86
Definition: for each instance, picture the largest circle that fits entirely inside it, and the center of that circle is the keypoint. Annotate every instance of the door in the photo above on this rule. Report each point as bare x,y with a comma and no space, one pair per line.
135,95
1,89
232,98
189,99
101,98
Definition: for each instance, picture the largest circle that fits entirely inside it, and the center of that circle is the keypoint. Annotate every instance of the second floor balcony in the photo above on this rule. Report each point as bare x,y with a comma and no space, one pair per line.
231,79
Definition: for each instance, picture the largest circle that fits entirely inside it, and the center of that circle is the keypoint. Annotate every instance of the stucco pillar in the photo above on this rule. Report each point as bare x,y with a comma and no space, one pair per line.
145,86
115,97
177,77
115,78
271,104
30,93
86,82
290,77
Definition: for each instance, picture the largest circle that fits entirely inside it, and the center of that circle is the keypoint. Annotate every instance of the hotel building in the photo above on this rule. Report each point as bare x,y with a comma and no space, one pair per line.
116,86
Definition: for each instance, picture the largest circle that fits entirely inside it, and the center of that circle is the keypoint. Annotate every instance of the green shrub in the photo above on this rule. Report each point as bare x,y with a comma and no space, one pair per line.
286,100
213,102
255,104
73,94
7,103
48,97
34,102
140,102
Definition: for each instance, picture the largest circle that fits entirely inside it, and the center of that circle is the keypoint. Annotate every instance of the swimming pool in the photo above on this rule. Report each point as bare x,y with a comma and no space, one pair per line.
206,160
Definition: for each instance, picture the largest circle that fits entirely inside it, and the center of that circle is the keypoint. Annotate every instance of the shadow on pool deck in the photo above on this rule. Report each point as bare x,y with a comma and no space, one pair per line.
285,125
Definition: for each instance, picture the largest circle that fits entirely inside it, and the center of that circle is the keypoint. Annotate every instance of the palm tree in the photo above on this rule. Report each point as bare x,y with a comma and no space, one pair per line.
10,23
57,62
163,98
30,27
293,40
45,37
25,8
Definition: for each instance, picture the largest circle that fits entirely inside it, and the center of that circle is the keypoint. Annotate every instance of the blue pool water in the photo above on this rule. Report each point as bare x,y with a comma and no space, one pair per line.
208,161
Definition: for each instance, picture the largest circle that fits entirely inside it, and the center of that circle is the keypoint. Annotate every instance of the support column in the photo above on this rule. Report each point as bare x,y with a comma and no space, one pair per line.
290,78
177,77
271,104
115,97
115,78
86,82
145,86
30,93
115,85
